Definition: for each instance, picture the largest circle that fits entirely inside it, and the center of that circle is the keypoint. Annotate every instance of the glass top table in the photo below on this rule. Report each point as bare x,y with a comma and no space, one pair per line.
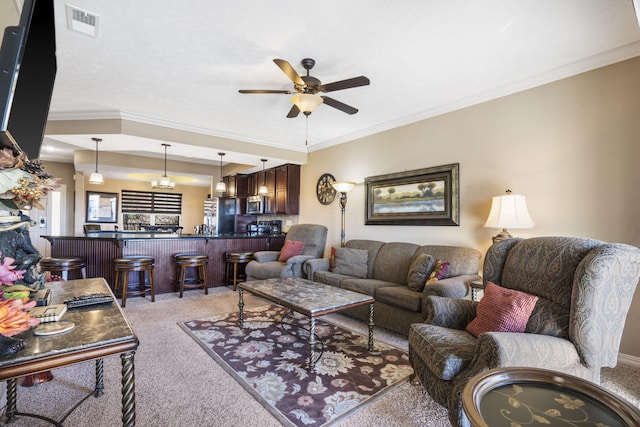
308,298
521,396
100,330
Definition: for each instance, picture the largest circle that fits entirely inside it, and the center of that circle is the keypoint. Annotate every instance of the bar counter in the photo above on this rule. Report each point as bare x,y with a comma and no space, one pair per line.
100,249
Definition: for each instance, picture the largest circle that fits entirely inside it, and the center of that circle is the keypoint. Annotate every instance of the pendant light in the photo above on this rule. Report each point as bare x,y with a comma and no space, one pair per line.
263,190
164,183
221,187
96,177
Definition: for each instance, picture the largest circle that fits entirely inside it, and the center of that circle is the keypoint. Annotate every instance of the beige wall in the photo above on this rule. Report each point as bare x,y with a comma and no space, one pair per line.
571,147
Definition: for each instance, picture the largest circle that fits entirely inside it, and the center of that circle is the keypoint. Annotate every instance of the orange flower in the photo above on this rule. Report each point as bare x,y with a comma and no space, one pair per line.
14,318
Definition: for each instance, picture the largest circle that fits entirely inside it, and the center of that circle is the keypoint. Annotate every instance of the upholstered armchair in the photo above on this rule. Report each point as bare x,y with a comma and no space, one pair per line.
584,289
288,262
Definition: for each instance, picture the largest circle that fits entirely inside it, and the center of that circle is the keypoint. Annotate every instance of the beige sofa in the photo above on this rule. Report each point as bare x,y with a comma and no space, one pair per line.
385,278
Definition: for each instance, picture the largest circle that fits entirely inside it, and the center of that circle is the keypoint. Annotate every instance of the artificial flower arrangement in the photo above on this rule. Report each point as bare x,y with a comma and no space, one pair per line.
23,182
14,300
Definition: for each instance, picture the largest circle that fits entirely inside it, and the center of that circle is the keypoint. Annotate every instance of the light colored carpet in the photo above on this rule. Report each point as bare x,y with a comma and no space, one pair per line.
178,384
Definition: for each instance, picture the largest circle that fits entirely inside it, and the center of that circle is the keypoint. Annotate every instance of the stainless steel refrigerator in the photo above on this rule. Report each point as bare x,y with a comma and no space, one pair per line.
220,215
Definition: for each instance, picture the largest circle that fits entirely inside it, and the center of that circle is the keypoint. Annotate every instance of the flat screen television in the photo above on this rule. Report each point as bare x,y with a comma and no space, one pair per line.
27,73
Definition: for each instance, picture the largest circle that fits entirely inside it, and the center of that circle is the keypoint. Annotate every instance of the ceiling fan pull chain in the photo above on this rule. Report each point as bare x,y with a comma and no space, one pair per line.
306,137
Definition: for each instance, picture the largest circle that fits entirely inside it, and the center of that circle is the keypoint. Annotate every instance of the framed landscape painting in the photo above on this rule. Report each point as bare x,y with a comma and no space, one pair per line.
420,197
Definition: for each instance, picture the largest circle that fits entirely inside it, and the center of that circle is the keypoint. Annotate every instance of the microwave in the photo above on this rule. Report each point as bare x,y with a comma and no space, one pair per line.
255,205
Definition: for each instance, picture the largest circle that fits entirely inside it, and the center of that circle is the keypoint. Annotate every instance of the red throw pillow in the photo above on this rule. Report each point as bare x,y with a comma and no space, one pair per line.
502,310
291,248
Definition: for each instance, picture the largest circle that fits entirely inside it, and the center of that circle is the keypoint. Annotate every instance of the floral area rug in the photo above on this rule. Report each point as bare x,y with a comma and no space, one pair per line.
270,360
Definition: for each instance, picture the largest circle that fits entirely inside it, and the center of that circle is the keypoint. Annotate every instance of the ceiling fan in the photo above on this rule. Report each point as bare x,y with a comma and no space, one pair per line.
307,87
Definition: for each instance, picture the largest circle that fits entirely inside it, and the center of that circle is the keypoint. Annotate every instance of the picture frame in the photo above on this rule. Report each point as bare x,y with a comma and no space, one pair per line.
429,196
101,207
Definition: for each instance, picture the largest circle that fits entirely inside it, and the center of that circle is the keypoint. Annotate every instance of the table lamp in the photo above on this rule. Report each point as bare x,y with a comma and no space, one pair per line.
508,211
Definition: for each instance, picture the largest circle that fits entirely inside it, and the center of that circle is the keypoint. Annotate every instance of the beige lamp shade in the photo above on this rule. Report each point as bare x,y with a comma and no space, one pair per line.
509,211
343,187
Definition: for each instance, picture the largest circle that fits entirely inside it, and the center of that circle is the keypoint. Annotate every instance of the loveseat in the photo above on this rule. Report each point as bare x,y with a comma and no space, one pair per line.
382,270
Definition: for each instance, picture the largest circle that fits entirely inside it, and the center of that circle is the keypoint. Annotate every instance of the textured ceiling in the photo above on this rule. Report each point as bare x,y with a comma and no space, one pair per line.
179,64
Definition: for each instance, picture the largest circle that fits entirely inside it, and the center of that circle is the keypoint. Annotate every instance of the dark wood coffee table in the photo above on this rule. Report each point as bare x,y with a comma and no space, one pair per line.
100,330
308,298
522,396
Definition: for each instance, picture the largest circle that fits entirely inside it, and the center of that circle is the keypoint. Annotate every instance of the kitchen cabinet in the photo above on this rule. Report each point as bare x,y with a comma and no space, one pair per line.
230,182
287,189
241,192
242,182
252,184
283,189
269,179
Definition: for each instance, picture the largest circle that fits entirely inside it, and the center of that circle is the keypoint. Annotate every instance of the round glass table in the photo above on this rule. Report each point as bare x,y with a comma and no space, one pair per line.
520,396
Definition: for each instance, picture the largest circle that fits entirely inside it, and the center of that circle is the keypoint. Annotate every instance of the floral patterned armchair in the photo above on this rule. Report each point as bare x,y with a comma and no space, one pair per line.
584,289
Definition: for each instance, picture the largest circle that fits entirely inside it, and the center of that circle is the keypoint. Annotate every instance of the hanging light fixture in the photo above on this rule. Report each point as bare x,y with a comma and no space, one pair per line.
306,102
96,177
263,190
164,183
221,187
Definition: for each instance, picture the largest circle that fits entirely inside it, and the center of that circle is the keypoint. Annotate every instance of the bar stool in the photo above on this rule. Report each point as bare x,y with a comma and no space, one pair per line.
64,265
129,264
191,260
233,260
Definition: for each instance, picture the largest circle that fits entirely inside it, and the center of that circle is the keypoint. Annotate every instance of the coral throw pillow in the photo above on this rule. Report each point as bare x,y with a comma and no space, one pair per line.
502,310
290,249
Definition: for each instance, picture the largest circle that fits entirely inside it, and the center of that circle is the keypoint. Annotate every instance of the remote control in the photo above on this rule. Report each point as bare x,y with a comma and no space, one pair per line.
88,299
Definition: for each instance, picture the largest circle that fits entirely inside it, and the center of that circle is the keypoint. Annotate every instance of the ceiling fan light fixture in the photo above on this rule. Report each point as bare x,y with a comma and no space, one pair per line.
306,102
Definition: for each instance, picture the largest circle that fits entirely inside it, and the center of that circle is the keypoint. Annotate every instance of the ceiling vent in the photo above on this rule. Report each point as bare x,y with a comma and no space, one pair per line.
82,21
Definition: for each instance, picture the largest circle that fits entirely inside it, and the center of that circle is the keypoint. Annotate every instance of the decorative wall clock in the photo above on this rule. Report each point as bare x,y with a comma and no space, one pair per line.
324,190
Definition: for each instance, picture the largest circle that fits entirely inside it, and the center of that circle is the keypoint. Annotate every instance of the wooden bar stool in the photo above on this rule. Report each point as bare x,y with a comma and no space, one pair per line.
185,261
129,264
233,260
62,266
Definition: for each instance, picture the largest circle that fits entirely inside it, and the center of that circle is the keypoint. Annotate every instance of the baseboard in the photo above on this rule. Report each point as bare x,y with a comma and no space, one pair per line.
629,360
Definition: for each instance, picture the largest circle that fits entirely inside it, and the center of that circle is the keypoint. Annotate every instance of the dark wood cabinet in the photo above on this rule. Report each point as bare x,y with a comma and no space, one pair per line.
230,182
283,189
242,186
287,189
252,184
269,177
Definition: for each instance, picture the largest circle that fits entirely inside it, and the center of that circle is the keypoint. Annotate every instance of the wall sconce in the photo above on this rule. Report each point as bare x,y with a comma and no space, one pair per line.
343,188
221,187
96,177
508,211
164,183
263,190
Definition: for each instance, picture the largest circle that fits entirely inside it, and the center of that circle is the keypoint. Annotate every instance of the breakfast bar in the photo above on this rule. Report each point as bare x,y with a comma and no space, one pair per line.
100,249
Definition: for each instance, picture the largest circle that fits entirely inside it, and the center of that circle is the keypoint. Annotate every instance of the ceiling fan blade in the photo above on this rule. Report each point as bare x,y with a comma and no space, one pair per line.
289,71
286,92
293,112
345,84
339,105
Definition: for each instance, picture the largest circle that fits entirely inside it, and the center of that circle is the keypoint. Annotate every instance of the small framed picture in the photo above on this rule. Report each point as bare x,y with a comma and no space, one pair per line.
102,207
